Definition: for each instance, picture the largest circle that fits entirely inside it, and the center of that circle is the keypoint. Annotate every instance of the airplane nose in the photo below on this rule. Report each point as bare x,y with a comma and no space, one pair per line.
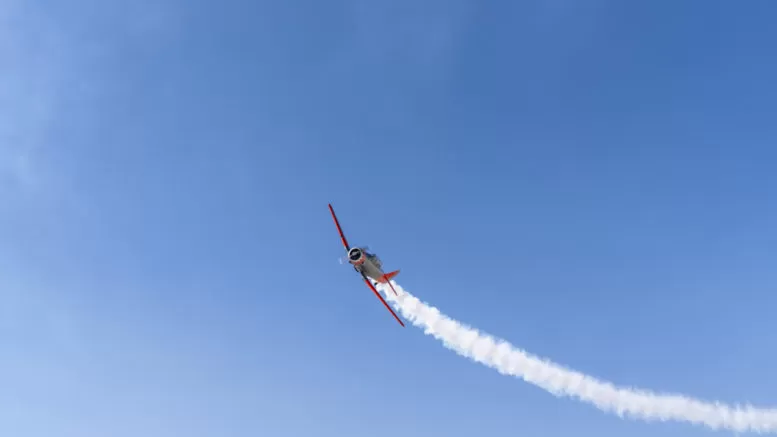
355,254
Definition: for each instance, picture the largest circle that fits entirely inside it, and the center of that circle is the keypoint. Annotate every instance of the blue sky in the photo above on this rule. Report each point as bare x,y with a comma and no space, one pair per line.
593,182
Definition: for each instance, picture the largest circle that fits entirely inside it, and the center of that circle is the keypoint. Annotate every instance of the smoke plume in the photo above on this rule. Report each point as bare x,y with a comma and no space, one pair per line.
559,381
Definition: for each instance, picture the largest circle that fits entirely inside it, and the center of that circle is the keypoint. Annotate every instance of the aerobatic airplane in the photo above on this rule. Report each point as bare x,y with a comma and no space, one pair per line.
368,265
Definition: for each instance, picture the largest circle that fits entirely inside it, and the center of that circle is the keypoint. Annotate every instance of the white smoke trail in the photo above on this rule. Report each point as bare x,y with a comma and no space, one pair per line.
560,381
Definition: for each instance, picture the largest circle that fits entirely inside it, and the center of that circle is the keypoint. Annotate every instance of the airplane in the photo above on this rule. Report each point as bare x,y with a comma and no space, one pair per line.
368,265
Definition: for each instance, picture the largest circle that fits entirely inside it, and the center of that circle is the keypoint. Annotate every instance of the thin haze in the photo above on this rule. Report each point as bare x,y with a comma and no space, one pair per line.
591,181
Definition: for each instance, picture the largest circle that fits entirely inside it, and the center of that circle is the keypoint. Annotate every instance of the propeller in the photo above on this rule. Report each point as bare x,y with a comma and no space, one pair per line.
344,259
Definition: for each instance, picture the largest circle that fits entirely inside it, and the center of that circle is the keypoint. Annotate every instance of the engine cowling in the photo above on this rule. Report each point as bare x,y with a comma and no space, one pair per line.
356,256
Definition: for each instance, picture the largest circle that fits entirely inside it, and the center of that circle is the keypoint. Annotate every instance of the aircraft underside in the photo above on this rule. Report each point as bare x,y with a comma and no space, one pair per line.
369,270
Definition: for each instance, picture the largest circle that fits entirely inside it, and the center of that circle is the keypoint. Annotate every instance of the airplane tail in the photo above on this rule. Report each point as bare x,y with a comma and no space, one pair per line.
385,279
388,276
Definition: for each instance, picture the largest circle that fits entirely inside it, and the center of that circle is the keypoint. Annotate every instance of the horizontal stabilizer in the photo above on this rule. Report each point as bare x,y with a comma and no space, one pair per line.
385,279
388,276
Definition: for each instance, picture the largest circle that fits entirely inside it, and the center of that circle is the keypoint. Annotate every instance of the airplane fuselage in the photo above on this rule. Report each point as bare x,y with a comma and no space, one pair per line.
366,263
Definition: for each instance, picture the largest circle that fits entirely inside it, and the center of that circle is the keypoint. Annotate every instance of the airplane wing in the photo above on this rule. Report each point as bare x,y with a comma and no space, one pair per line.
367,281
340,230
369,284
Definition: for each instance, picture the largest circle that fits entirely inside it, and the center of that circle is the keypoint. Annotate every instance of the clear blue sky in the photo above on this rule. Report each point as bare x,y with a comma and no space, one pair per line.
594,183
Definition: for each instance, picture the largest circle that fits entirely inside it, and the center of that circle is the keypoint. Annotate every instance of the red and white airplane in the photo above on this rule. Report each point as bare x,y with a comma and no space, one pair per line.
368,265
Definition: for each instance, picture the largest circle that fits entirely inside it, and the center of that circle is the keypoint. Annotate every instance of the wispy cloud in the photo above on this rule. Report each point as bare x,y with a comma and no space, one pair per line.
33,64
55,66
